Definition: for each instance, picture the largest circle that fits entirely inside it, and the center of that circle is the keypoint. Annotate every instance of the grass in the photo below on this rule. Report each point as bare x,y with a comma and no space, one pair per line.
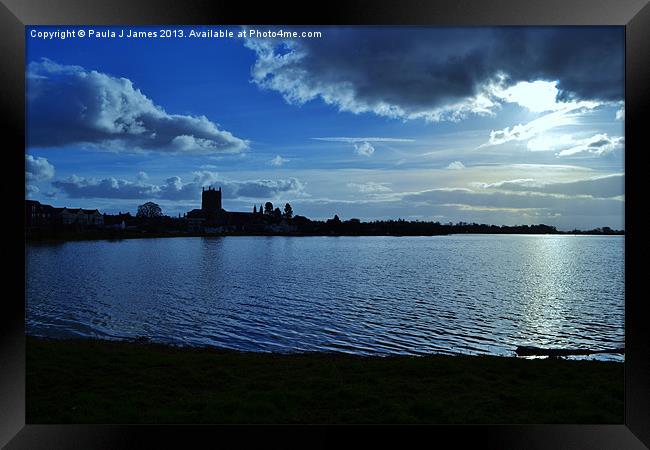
93,381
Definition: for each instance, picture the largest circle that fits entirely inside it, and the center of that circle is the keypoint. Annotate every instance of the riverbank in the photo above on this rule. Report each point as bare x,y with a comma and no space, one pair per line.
94,381
139,235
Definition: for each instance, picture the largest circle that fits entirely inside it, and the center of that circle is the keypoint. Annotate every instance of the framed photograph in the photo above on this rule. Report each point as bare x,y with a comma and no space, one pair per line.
370,214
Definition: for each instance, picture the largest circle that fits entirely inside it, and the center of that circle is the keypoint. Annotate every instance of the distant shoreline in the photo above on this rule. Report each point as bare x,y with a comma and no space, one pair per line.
139,235
99,381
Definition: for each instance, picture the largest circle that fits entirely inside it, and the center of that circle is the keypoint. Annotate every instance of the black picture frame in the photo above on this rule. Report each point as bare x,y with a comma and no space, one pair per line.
16,14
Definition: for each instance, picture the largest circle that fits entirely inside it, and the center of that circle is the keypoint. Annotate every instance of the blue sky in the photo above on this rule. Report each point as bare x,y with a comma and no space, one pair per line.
493,125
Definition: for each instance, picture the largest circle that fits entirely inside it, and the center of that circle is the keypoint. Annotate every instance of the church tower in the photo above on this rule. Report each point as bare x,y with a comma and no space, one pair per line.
211,199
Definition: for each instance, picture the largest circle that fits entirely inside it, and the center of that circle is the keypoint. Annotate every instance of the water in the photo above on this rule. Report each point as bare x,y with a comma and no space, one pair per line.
473,294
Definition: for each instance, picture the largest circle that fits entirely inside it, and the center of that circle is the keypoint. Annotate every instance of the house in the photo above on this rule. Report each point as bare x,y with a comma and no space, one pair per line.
41,217
38,216
84,217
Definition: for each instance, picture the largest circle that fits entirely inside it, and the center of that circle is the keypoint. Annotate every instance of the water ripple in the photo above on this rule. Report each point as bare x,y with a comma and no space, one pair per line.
369,295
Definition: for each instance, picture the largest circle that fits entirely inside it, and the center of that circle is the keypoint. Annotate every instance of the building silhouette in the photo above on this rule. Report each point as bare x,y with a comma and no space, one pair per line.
213,218
211,199
39,216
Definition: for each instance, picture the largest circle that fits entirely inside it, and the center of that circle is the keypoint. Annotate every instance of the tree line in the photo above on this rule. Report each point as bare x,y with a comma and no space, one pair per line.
335,225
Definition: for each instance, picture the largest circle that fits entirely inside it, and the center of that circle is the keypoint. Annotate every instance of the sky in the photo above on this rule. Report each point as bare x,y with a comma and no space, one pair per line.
498,125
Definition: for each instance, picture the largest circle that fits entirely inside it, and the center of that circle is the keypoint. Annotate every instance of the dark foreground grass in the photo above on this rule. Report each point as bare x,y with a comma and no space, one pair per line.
91,381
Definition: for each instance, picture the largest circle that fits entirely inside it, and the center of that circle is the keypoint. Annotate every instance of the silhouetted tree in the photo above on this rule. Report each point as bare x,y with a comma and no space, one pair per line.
268,208
149,210
288,212
277,214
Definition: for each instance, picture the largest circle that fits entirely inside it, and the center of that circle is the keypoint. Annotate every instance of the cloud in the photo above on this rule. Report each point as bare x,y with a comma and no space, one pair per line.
620,114
598,144
173,188
278,161
353,140
71,106
514,201
370,187
566,115
364,149
608,186
263,188
453,205
455,165
362,145
439,73
38,169
80,187
538,96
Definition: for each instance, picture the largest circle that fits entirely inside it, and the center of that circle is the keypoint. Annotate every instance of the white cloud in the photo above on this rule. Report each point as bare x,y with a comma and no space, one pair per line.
620,114
174,188
550,142
352,140
370,187
537,96
278,161
38,168
72,106
566,115
455,165
364,149
598,144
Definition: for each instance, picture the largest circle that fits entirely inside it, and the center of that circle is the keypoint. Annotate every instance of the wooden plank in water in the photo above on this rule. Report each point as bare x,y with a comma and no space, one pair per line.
525,350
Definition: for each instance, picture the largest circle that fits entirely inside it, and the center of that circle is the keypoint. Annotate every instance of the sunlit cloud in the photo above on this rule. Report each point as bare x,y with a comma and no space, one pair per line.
439,74
566,115
537,96
598,144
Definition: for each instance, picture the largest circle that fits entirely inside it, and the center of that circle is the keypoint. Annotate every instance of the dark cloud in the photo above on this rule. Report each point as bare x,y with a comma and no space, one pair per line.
553,204
173,188
80,187
439,73
69,105
449,206
251,188
600,143
588,62
601,187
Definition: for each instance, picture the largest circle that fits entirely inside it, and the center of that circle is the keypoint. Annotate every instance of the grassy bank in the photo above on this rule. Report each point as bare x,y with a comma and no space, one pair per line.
89,381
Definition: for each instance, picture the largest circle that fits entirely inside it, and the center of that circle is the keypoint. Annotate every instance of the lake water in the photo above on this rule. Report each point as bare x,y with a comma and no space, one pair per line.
475,294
